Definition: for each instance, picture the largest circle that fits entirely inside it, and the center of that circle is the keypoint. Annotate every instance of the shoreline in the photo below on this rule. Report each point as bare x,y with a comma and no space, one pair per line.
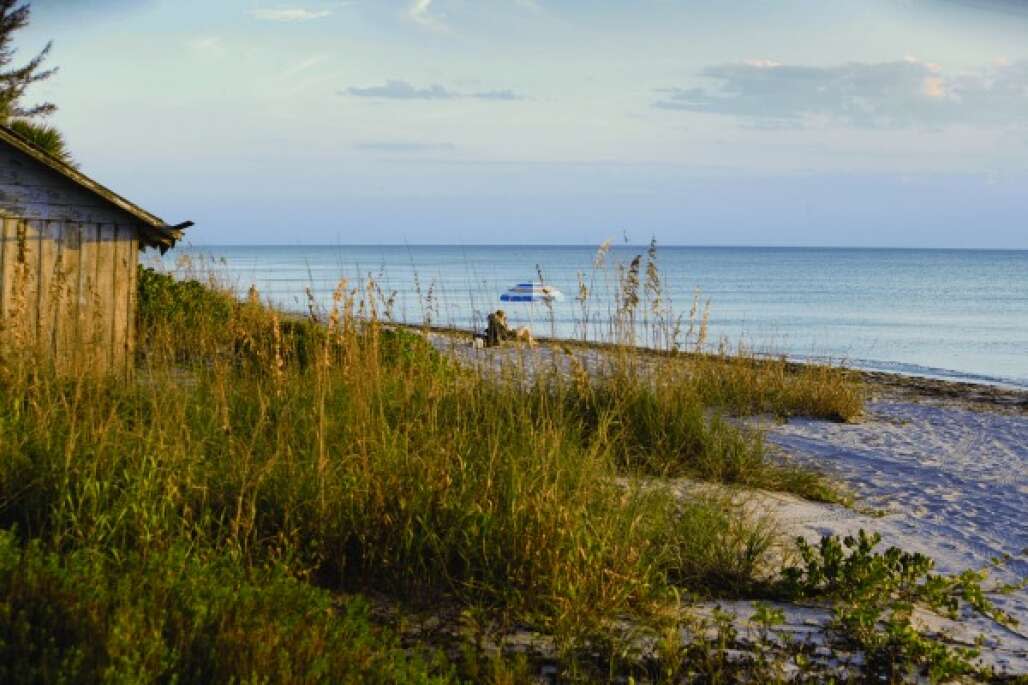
890,384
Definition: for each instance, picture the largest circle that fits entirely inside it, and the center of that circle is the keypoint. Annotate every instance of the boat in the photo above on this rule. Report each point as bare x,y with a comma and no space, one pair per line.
532,292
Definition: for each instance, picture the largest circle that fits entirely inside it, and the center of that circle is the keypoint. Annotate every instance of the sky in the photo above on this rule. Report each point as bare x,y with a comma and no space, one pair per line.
878,123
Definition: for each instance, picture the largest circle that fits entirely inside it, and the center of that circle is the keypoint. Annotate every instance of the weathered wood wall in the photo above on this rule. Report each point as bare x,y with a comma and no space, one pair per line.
68,292
67,270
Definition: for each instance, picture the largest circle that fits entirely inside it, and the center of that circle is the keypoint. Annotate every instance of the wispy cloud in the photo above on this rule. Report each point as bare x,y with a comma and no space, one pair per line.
404,147
502,95
292,14
533,5
898,94
402,90
304,65
210,45
1016,7
421,13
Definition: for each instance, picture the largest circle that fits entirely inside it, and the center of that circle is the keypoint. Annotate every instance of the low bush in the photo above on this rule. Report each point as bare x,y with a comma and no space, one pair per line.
171,616
875,594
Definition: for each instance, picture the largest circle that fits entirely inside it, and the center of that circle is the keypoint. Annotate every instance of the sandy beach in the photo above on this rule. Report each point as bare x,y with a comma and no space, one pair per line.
945,477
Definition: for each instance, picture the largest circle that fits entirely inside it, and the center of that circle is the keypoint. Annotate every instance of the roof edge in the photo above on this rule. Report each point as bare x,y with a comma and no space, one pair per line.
162,235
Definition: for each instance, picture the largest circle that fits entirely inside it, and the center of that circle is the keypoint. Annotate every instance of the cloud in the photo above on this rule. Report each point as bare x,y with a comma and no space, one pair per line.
289,14
207,45
420,13
898,94
401,147
1016,7
304,65
402,90
531,5
501,95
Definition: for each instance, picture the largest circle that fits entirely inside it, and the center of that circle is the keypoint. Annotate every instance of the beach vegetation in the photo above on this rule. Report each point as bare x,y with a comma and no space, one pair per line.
259,472
875,596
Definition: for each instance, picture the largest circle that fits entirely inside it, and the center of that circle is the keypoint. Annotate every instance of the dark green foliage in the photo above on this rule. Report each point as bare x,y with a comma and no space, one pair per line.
47,138
874,594
187,304
405,348
170,616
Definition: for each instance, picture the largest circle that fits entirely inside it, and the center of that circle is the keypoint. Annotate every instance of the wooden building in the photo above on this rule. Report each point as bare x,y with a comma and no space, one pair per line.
69,250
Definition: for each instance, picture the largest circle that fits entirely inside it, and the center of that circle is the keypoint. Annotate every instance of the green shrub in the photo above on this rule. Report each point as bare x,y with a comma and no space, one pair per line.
187,303
87,618
875,593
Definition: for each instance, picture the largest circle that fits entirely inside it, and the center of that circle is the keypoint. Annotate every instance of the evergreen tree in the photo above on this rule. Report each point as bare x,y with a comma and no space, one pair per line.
15,80
15,15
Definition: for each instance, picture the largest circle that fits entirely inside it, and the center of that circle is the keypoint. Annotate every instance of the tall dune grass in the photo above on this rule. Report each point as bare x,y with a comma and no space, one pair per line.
357,458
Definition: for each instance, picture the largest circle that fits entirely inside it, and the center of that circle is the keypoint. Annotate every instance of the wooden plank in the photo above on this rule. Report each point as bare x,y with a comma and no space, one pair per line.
7,230
105,284
87,325
48,247
26,282
133,303
120,296
17,285
66,319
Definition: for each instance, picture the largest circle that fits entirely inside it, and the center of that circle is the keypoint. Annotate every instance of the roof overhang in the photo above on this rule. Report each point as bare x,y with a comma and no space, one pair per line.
155,231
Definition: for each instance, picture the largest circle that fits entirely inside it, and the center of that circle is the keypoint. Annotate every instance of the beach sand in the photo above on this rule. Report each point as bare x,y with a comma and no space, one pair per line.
944,479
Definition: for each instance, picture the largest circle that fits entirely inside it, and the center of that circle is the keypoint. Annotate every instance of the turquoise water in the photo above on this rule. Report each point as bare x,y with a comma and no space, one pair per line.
954,314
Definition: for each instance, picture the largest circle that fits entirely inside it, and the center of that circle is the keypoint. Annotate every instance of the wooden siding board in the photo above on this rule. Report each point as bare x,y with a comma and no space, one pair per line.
105,285
47,253
133,303
7,229
86,324
28,288
66,322
120,297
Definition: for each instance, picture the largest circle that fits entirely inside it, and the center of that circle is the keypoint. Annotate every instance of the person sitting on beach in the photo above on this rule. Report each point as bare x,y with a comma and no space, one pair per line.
498,330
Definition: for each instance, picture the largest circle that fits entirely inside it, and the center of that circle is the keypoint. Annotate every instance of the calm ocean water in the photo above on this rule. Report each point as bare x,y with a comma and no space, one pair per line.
954,314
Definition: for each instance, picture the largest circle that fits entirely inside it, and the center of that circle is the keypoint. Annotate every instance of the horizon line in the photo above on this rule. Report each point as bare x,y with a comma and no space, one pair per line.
616,245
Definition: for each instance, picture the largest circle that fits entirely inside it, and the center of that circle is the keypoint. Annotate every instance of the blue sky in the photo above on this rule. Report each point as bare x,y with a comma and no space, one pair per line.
852,122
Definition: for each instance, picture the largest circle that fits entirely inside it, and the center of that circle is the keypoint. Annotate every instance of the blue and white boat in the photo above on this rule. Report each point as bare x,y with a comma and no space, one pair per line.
532,292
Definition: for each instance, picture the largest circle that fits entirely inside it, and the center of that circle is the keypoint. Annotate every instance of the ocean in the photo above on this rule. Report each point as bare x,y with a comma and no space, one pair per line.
949,314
